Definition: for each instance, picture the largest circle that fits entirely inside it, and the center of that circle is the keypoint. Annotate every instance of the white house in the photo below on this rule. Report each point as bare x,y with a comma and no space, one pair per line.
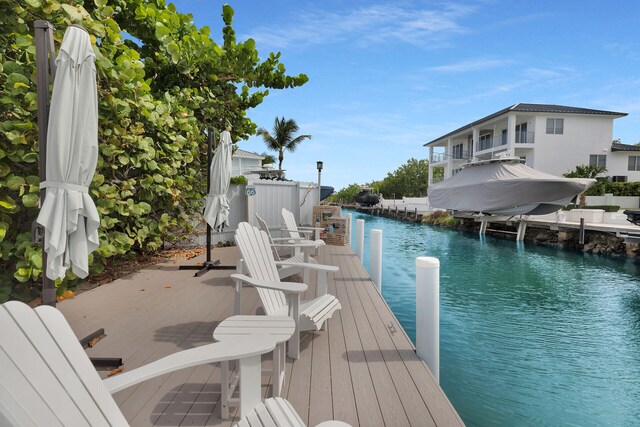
245,161
550,138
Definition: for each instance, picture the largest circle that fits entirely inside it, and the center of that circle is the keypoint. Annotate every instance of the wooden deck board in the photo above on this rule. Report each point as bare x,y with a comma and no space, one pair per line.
362,370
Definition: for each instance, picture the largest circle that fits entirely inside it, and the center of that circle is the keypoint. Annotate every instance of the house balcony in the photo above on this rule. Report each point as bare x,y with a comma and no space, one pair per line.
438,159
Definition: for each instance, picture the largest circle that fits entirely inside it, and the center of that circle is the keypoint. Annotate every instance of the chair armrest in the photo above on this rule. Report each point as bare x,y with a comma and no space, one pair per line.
298,231
317,267
231,349
309,228
302,244
286,287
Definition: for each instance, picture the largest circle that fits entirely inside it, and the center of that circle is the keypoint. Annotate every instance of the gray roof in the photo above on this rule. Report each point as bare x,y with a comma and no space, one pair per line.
532,108
624,147
247,154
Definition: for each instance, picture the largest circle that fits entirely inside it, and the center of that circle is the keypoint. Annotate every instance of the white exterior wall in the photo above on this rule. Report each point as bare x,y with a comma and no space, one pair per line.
583,135
618,164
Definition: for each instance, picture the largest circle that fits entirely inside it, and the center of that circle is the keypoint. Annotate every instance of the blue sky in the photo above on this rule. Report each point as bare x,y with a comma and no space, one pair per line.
386,77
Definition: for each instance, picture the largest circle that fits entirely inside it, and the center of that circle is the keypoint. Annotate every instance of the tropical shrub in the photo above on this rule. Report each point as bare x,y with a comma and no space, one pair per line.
600,188
157,91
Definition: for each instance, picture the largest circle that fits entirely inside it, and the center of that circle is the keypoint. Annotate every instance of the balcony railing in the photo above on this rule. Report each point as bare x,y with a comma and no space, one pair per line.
457,155
487,143
500,140
525,137
438,157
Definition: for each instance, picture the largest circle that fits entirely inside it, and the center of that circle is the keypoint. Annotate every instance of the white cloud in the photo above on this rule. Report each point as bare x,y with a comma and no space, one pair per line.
372,24
472,65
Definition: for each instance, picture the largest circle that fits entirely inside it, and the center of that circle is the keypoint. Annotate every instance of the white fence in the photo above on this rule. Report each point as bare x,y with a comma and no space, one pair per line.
267,200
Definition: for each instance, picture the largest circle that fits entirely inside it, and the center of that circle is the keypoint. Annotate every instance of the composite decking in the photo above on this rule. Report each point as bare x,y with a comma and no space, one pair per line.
362,370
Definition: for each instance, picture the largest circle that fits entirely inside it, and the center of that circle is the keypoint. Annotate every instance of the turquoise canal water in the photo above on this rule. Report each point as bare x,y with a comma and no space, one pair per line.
530,335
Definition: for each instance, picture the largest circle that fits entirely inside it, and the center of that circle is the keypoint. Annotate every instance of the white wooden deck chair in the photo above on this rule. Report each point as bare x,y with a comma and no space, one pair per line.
277,411
297,232
46,378
279,297
300,251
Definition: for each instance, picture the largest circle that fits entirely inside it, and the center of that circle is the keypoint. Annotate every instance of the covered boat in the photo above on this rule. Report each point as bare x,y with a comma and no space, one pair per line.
505,187
366,198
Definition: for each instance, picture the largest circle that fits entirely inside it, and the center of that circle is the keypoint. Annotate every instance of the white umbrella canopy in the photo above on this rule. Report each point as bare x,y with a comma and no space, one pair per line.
216,212
68,214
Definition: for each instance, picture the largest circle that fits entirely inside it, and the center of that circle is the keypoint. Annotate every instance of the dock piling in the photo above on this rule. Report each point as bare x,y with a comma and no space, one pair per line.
375,258
360,239
428,313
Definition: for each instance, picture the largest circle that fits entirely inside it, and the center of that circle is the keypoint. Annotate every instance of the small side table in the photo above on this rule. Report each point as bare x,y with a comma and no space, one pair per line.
281,328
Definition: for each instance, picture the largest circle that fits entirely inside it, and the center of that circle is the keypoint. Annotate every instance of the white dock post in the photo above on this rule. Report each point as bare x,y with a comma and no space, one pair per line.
483,227
428,313
360,239
375,258
522,230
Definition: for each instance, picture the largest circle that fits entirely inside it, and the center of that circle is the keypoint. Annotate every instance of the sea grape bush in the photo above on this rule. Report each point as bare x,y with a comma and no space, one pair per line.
158,90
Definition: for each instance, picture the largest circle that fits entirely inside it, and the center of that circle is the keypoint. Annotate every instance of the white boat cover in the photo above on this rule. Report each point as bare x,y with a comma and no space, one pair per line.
505,188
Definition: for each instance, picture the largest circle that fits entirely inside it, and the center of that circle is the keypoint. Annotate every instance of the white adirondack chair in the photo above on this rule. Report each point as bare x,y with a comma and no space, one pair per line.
300,251
277,411
279,297
46,378
296,231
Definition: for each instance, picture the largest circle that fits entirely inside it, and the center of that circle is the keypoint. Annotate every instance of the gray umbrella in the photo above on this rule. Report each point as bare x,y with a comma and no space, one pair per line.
68,214
217,210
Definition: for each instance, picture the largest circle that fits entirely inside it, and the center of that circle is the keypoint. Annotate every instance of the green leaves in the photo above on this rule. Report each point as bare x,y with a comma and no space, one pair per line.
227,14
157,91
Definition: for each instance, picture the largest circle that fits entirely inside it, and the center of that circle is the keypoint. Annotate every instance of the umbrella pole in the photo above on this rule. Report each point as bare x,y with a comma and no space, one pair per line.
208,264
45,64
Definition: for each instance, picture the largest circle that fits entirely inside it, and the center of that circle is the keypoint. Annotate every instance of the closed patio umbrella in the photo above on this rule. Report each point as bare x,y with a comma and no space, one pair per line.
68,214
217,210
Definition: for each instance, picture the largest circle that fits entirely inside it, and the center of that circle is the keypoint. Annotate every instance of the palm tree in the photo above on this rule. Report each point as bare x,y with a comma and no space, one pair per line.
283,137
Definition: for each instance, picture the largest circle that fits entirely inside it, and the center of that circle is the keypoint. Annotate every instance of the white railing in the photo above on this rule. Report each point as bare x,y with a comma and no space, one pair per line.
500,140
525,137
438,157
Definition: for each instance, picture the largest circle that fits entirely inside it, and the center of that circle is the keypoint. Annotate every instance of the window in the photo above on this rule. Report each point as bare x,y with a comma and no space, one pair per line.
521,133
619,178
504,137
598,160
555,126
457,151
634,163
485,141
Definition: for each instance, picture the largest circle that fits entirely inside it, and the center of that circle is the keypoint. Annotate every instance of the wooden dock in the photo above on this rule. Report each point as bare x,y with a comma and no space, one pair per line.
363,370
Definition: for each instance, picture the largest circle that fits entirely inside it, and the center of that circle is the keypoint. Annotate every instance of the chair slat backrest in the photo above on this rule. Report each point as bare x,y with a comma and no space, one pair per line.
46,378
290,223
264,227
258,258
